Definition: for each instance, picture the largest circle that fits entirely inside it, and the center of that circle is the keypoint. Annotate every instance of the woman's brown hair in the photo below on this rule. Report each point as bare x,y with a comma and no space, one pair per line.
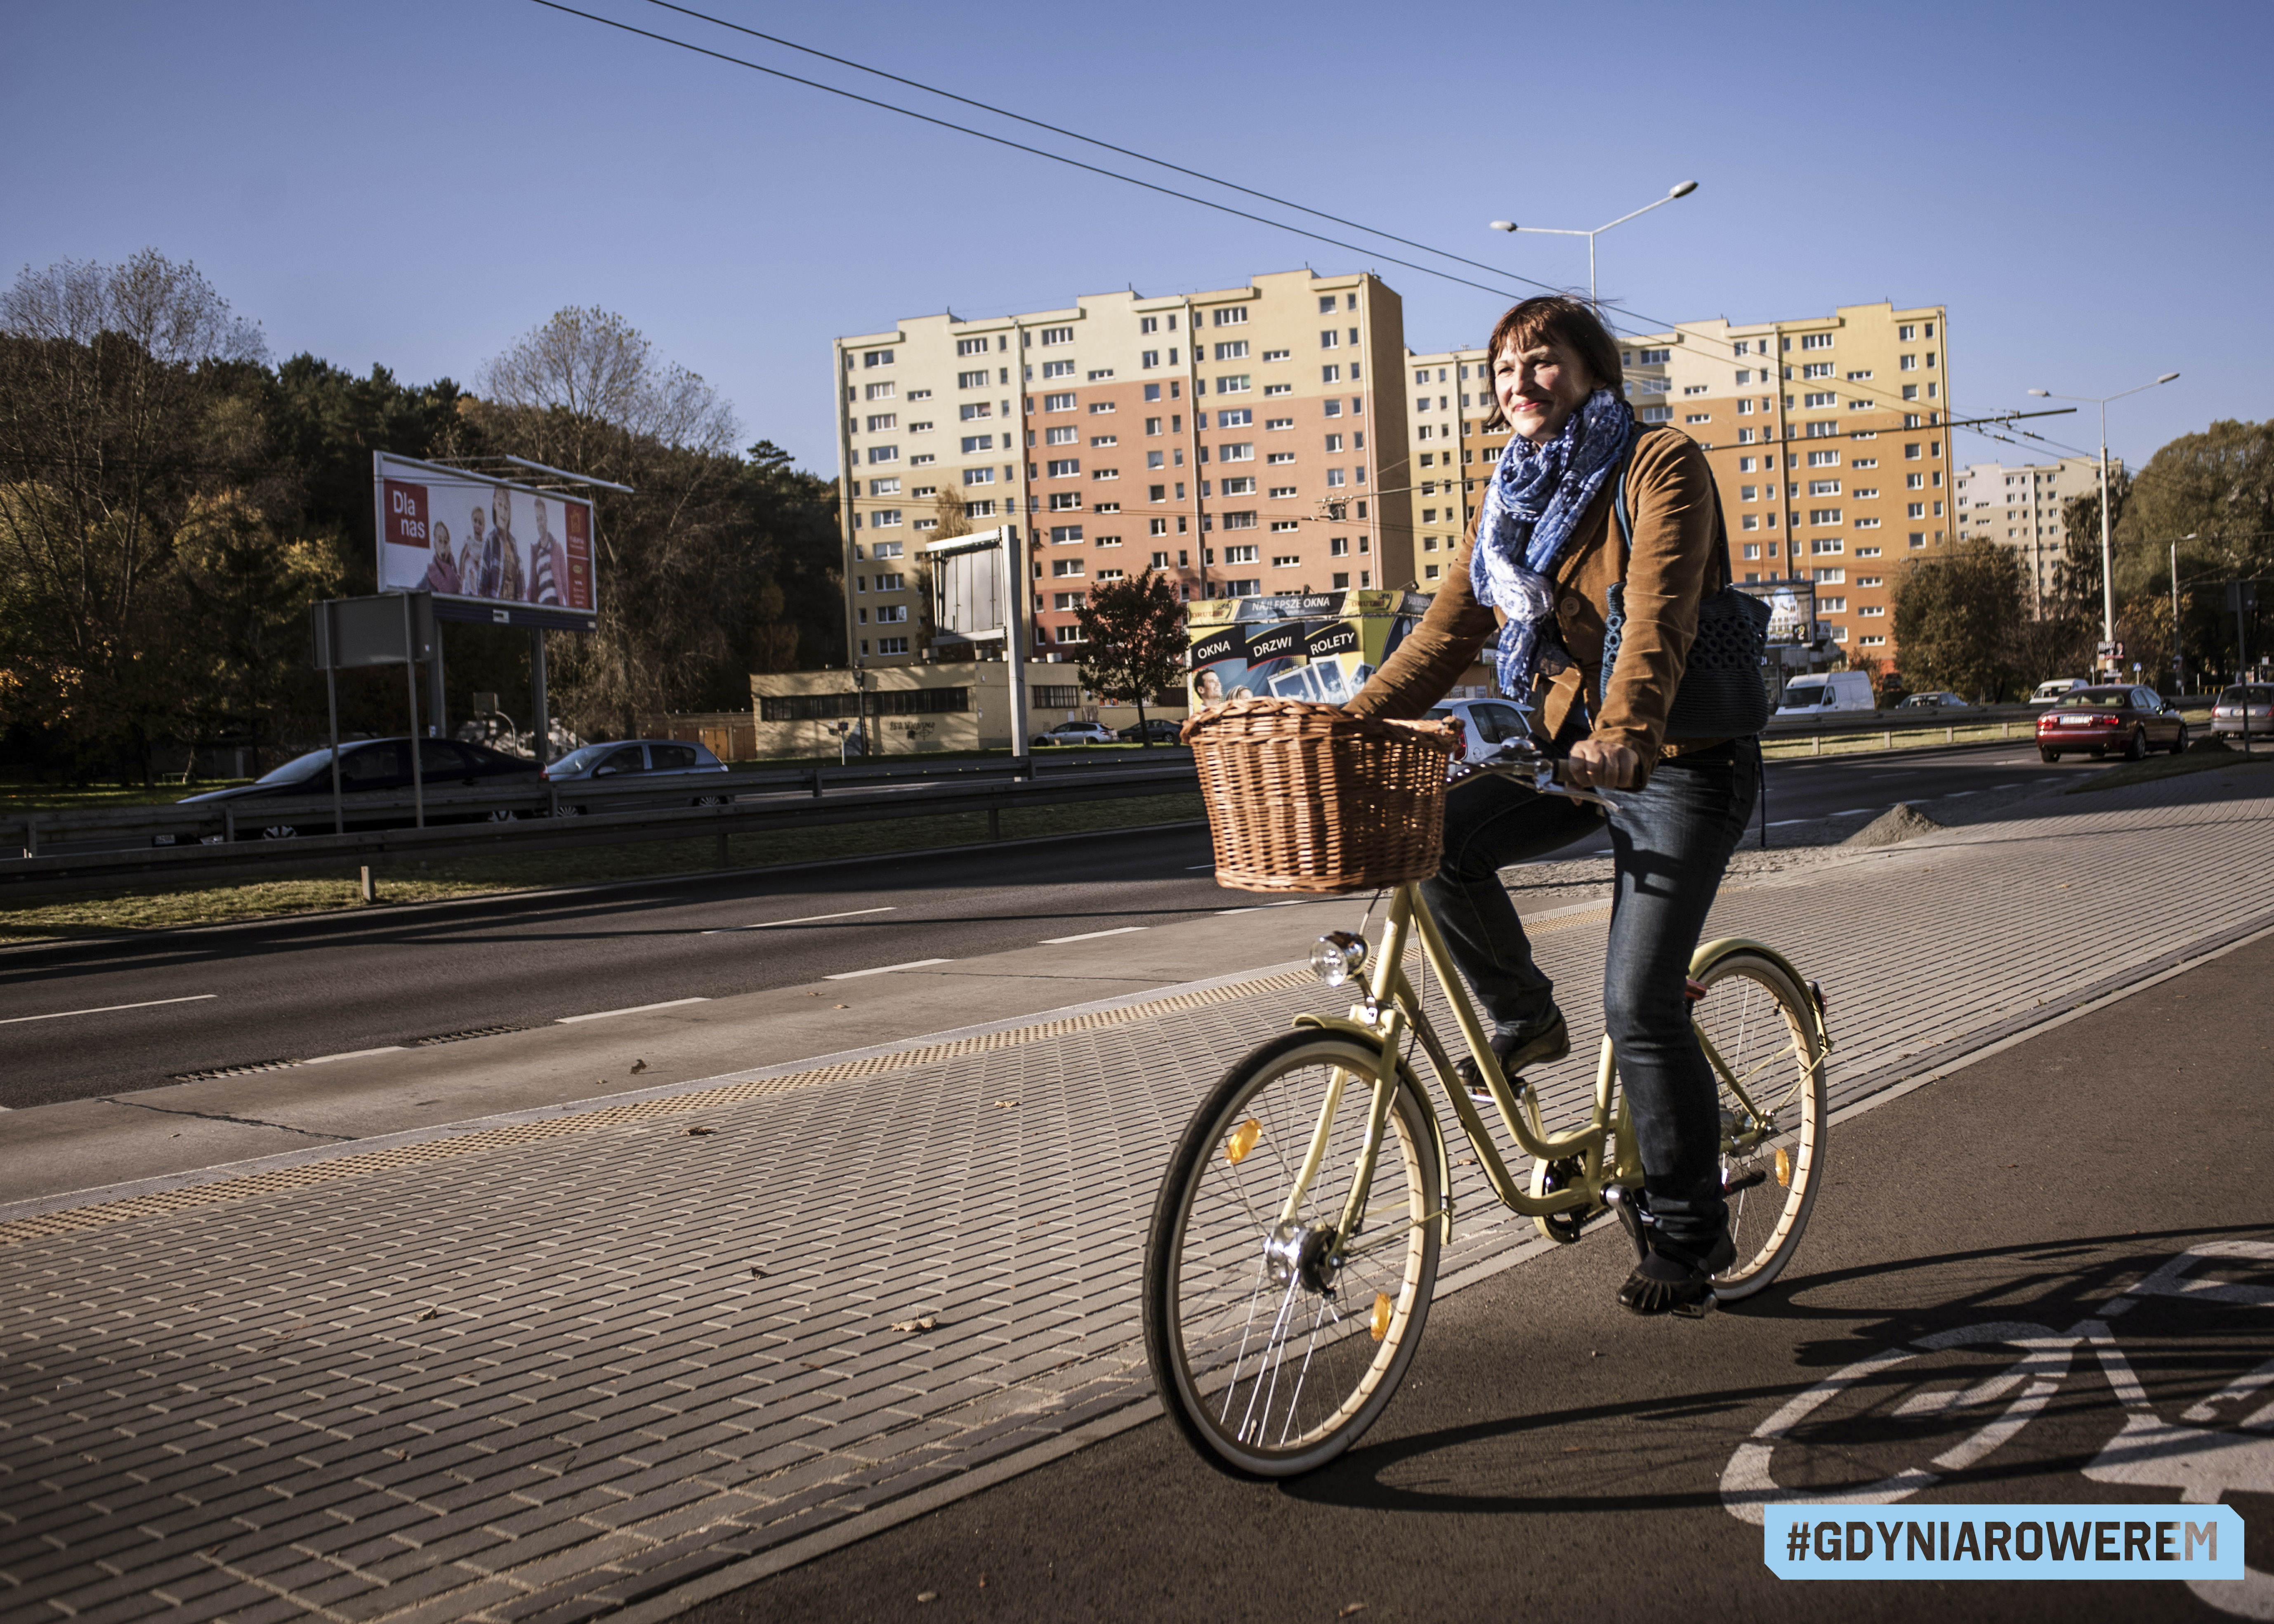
1553,318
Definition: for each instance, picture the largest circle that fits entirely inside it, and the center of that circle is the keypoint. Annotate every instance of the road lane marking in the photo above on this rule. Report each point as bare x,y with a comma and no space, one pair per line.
357,1054
810,918
1853,812
1780,822
913,963
1199,868
636,1009
1259,907
147,1004
1091,936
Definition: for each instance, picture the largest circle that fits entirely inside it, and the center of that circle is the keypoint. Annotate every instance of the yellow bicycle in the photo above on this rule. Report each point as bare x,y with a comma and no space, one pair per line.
1294,1244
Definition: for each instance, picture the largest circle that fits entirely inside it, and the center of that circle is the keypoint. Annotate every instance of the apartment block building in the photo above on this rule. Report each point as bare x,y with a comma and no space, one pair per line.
2020,507
1827,438
1241,441
1445,393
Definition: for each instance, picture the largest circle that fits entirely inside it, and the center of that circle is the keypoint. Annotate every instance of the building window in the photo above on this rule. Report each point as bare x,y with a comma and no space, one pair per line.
1331,375
972,410
885,518
1058,402
1658,414
1066,502
883,453
1062,535
1230,316
877,357
1236,384
1235,349
979,476
1051,369
1098,409
1056,336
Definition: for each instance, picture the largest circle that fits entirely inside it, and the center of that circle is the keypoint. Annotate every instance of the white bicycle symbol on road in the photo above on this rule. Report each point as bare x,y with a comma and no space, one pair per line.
2202,1460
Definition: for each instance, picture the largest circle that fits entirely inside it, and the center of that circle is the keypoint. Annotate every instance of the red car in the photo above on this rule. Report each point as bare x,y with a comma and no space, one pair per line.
2096,720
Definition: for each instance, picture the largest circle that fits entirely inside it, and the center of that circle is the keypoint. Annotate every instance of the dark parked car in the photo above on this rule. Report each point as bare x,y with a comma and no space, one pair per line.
2096,720
1159,729
2227,718
371,770
660,762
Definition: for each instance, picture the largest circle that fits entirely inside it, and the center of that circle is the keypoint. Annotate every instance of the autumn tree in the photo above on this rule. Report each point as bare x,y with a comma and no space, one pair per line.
1133,641
1956,608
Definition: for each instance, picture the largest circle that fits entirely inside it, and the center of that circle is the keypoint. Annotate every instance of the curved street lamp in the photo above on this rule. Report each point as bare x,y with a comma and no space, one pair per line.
2107,566
1681,190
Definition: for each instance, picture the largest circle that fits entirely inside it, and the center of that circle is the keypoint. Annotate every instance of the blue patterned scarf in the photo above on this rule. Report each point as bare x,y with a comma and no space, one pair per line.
1532,504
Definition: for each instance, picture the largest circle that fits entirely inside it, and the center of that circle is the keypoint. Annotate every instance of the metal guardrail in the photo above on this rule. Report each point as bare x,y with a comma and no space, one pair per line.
210,841
226,860
34,830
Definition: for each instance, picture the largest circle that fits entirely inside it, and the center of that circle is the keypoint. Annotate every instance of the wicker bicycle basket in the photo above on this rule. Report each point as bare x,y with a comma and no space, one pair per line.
1305,797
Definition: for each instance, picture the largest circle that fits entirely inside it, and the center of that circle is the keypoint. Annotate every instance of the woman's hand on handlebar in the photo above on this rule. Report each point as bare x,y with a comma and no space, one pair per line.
1594,764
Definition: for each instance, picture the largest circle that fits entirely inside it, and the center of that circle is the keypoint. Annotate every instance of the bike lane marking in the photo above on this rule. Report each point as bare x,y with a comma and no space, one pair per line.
636,1009
1092,936
913,963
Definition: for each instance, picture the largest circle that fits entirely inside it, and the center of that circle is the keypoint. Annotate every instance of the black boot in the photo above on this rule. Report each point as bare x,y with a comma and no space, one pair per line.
1543,1040
1673,1279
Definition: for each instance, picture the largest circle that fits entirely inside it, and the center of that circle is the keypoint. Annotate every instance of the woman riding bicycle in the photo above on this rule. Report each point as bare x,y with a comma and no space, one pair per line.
1538,567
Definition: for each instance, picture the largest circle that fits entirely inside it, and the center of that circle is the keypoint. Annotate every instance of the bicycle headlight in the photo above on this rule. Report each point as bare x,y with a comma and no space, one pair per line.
1337,956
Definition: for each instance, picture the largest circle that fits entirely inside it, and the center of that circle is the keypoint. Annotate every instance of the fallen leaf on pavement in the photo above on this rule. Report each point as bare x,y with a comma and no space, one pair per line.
928,1323
432,1314
1355,1607
844,1006
757,1273
698,1132
638,1066
1006,1105
927,1595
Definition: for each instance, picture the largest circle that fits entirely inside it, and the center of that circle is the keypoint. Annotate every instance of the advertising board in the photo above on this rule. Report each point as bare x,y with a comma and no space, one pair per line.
1792,609
479,544
1320,646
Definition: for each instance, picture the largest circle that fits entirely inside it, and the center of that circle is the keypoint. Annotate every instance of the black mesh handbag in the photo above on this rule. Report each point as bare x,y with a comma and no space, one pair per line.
1721,695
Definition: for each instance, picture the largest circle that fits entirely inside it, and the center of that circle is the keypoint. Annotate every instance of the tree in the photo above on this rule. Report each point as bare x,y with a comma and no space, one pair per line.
111,382
240,615
1133,641
687,561
1955,609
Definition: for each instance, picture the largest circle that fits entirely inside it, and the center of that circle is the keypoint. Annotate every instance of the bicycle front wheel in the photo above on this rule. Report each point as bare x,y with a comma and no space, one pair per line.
1760,1034
1275,1345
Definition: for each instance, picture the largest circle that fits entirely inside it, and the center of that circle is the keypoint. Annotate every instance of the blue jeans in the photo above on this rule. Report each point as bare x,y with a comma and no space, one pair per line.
1670,842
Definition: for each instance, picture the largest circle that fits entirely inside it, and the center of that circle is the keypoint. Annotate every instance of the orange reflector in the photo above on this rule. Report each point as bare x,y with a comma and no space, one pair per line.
1783,1167
1242,1140
1381,1325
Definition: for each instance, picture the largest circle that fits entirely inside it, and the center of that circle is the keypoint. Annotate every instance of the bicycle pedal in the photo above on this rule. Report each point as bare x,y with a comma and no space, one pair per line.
1698,1310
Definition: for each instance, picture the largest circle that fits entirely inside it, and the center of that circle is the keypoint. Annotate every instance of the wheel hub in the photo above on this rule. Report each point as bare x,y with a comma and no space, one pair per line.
1295,1252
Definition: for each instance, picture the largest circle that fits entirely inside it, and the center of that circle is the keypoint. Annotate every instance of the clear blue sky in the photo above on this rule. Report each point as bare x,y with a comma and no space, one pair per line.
416,182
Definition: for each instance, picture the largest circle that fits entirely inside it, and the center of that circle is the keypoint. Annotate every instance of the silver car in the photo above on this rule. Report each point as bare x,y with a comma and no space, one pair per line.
668,763
2227,718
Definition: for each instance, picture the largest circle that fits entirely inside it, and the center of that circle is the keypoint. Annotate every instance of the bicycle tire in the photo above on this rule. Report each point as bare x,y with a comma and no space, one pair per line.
1762,1026
1208,1273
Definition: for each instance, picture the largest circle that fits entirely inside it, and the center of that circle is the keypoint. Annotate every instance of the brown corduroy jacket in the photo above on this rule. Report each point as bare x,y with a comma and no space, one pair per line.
1677,526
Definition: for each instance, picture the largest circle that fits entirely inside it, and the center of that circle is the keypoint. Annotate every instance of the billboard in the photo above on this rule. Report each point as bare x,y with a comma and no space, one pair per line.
1792,609
1319,646
481,543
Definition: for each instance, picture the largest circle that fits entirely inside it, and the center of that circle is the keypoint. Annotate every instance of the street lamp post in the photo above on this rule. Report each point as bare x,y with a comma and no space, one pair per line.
1681,191
2107,565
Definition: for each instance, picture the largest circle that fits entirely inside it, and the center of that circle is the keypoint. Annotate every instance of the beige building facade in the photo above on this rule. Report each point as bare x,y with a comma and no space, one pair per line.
1242,441
2020,507
1827,438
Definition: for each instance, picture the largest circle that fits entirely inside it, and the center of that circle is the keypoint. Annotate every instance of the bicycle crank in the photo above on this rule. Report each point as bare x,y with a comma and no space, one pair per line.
1562,1173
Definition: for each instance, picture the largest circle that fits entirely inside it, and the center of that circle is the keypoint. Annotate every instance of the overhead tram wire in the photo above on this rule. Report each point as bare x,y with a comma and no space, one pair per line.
1038,152
1091,140
1656,325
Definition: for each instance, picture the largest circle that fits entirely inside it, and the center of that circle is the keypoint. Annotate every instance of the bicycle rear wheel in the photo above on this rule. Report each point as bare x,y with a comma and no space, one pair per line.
1275,1346
1758,1020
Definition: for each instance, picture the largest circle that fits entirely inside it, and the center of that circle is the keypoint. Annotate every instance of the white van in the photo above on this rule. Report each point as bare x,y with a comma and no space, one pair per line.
2057,688
1828,694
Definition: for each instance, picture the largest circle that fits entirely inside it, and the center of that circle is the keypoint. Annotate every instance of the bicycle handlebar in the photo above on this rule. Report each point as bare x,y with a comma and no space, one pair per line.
1519,759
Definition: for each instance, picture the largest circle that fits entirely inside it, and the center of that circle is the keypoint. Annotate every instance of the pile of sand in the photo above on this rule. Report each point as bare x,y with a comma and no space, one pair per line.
1898,823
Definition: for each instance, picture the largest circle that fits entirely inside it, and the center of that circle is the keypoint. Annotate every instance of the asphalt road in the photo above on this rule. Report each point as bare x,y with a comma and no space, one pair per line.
1549,1453
206,999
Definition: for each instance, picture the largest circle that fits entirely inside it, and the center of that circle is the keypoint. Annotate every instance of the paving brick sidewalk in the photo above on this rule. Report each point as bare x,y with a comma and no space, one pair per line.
542,1371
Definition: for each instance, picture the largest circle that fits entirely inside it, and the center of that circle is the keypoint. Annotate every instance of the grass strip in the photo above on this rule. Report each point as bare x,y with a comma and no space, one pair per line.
161,908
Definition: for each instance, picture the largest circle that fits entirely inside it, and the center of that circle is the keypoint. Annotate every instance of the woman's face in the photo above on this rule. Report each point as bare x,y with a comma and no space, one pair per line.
1541,387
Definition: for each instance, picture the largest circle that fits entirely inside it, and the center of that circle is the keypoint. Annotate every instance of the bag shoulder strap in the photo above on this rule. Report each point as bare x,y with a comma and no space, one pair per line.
1626,518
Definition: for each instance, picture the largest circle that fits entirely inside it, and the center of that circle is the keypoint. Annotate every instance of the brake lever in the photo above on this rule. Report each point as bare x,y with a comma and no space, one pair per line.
1545,773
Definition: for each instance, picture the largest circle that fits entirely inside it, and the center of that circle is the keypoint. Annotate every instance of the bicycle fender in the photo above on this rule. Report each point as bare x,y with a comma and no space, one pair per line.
1368,1038
1711,951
